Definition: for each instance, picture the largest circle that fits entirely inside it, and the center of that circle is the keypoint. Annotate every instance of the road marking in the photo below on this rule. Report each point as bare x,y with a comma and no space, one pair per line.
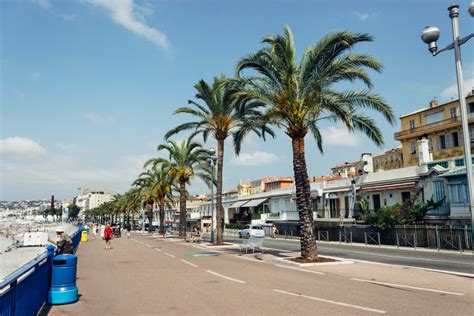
463,274
191,264
250,259
331,302
408,287
157,249
225,277
298,269
149,246
170,255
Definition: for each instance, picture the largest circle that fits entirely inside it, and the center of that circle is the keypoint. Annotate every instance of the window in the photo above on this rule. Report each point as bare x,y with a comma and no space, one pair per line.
439,191
470,106
412,124
442,142
434,117
430,143
453,113
471,134
413,147
455,139
457,192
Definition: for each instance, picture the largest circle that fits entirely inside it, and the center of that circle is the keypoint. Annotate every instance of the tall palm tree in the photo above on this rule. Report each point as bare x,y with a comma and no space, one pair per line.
300,96
148,198
159,181
132,203
222,115
187,159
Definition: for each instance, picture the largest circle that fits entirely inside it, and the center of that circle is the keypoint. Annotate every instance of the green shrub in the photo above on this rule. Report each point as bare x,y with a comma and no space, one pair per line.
388,216
234,226
256,216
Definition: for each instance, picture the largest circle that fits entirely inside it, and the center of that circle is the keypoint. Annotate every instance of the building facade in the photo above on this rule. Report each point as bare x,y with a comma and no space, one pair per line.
440,124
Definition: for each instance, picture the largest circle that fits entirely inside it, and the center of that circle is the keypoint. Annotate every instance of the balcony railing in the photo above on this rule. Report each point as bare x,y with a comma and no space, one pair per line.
426,127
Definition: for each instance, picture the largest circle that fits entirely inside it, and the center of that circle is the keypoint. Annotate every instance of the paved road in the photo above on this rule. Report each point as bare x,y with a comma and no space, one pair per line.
416,258
152,276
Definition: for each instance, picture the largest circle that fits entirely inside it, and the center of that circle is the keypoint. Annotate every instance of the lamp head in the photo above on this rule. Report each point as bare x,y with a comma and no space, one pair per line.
430,35
212,151
471,8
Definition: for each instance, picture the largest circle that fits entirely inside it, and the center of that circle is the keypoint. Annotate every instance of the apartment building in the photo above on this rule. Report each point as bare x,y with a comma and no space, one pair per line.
440,124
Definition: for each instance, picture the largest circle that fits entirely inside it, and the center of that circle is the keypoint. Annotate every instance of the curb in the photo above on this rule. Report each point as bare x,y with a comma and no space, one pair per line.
304,265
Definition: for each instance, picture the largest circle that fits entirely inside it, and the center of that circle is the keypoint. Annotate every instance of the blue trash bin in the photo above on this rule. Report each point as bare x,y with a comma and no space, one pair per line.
63,281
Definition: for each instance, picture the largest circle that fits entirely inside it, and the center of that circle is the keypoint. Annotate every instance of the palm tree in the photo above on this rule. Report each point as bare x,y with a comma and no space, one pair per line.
159,181
222,115
187,159
299,96
148,198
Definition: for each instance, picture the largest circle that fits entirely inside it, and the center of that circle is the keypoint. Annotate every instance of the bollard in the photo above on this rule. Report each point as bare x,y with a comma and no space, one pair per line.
365,238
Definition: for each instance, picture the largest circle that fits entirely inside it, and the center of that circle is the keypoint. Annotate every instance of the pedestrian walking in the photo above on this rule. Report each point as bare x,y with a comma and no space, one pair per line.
102,229
274,231
108,237
128,230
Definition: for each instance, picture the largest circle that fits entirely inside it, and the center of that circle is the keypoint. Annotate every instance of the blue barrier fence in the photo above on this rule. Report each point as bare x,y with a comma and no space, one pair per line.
25,291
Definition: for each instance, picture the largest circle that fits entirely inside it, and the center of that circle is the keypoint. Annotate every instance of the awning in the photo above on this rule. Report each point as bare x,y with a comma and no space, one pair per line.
395,186
335,190
253,203
313,196
238,204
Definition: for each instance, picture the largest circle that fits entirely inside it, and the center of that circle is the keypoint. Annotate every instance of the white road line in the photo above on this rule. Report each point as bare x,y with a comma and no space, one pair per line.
298,269
250,259
469,275
225,277
408,287
157,249
331,302
148,245
191,264
170,255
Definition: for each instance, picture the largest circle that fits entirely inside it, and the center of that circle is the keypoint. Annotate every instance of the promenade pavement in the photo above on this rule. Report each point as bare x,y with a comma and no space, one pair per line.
152,276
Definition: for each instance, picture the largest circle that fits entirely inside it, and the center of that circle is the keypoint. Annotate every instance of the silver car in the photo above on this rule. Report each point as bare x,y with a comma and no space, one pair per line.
252,230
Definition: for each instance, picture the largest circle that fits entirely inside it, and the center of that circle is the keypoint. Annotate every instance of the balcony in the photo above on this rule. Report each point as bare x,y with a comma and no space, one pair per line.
425,129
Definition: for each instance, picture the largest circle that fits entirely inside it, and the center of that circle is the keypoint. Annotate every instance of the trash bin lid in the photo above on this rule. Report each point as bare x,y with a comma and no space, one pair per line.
66,259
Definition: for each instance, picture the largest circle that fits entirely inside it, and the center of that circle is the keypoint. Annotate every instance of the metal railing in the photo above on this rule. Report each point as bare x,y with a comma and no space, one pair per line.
25,291
426,127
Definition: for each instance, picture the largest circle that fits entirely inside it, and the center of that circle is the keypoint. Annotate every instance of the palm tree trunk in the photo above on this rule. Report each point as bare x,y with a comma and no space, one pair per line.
303,200
150,219
219,208
182,209
162,216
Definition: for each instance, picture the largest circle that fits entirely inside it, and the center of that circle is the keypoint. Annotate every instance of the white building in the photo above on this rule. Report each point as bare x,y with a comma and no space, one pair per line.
93,199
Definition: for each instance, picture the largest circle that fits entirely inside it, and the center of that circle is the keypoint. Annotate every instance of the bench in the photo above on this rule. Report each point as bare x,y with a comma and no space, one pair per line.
253,243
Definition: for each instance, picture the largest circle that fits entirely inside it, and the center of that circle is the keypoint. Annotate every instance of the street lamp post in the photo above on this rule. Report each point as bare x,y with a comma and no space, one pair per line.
212,162
430,35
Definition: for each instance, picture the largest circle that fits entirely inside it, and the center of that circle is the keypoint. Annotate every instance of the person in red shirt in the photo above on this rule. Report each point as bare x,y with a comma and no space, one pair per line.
108,237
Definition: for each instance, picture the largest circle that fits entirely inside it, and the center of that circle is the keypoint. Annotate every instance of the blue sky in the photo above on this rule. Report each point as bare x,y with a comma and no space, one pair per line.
88,87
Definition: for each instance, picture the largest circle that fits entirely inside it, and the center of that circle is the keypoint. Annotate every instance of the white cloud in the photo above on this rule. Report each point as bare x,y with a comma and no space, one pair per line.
257,158
364,16
132,16
340,137
47,5
21,147
97,118
451,92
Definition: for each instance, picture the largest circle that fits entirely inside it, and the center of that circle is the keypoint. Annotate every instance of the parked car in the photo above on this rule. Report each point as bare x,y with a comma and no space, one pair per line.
252,230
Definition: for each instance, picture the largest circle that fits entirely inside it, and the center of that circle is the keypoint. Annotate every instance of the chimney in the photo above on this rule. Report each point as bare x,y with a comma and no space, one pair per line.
451,164
52,202
424,151
434,103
